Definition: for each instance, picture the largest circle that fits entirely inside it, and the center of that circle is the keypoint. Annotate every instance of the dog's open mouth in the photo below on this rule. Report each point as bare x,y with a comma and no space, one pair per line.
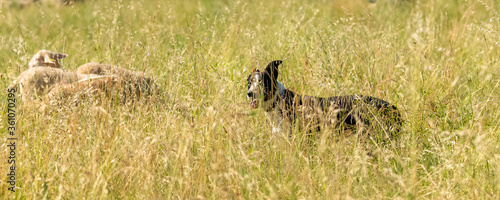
254,104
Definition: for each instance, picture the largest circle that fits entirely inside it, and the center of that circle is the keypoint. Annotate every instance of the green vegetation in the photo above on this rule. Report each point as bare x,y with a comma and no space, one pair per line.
438,61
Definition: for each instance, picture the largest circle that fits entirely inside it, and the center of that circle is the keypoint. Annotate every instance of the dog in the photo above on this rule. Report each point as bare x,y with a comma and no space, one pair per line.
284,107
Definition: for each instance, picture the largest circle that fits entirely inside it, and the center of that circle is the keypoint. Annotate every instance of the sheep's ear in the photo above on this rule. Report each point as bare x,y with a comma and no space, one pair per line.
51,57
57,56
272,69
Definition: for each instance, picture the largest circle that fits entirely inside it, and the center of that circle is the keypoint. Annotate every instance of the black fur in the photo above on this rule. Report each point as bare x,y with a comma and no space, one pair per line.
367,107
269,77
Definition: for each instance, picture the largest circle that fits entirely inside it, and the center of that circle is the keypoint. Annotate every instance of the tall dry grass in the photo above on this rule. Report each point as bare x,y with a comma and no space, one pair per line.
438,61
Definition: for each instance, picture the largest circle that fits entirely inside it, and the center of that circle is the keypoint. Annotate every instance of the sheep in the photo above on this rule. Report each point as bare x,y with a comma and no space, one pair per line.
38,81
107,69
89,87
104,79
140,80
44,73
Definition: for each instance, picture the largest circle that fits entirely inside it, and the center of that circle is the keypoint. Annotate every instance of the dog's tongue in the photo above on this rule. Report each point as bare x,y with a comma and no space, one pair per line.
254,104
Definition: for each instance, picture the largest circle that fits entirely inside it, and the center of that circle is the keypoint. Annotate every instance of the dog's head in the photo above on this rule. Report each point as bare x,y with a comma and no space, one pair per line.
263,85
46,58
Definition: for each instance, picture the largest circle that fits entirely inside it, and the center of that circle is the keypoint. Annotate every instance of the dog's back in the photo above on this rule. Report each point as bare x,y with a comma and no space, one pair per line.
347,111
364,107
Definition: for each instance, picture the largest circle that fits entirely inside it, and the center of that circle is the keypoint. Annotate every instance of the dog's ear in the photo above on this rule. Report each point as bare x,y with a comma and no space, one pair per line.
272,69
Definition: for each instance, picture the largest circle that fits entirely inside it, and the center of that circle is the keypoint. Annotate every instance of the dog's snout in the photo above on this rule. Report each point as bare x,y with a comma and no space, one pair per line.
249,94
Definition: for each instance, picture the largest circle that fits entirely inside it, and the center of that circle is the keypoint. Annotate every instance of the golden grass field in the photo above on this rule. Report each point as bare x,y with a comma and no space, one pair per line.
437,61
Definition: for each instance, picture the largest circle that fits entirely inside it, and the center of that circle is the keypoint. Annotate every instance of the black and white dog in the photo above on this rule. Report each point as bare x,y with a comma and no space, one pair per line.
284,107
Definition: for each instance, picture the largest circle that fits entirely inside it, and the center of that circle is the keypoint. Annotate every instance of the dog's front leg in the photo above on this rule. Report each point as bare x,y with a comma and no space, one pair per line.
278,124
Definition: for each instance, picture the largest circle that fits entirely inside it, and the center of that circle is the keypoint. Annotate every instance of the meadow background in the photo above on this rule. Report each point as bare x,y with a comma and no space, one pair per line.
438,61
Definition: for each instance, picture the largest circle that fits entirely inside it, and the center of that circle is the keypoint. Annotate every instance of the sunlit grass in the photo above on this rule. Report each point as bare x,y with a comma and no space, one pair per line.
437,61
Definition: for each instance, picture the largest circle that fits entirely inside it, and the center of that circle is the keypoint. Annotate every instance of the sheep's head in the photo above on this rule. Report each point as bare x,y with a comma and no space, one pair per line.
46,58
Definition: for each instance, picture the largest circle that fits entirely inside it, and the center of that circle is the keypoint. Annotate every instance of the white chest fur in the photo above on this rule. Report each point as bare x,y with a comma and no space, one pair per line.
274,114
